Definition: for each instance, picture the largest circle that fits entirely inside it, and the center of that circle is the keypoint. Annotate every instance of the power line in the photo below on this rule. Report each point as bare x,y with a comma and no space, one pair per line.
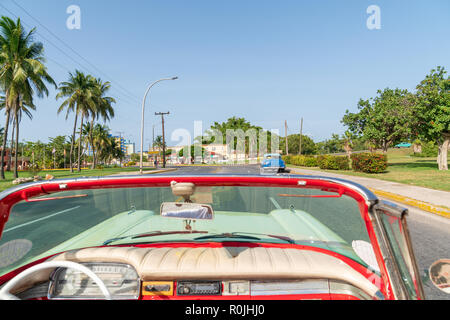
125,93
119,96
71,49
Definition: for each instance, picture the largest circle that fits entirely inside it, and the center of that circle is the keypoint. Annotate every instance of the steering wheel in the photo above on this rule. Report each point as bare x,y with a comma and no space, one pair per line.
4,292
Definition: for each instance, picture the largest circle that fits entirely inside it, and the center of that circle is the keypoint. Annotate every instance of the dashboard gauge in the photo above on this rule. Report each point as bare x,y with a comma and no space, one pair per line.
121,280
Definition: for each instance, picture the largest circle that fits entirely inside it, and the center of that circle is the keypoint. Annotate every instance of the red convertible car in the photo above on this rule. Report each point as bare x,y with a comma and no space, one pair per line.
203,237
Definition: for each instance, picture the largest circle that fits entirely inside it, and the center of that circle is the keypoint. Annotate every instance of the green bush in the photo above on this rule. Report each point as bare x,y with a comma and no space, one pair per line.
311,162
333,162
287,159
302,161
369,162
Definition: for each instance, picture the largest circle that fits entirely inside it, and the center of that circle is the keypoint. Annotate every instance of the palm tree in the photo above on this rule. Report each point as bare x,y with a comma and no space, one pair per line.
80,91
22,74
158,143
87,133
22,108
101,140
103,109
112,150
3,107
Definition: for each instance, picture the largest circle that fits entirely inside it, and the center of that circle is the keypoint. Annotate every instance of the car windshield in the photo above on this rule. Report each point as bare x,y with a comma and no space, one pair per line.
120,216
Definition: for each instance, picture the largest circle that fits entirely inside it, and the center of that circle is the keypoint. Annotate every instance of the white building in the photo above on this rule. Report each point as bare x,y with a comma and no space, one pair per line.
130,148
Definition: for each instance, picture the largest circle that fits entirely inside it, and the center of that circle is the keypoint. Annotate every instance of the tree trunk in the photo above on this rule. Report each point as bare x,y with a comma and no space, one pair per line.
2,153
385,146
442,159
348,149
8,166
79,144
73,142
16,173
92,144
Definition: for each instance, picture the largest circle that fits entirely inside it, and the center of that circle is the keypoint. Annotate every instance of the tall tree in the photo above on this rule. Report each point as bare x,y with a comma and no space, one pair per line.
308,145
80,91
18,112
384,120
22,73
433,112
236,124
59,144
332,145
101,141
103,109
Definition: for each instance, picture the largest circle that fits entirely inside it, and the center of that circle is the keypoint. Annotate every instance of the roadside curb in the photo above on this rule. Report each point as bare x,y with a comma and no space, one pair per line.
425,206
414,203
160,171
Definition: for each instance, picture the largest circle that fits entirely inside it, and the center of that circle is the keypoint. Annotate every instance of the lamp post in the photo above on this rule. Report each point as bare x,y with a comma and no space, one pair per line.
142,120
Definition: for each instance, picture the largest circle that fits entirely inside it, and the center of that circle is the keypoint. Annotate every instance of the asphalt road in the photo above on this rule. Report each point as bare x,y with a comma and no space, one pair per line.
237,169
430,233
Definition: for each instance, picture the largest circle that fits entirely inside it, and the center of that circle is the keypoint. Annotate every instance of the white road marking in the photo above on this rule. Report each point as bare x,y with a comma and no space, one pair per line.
40,219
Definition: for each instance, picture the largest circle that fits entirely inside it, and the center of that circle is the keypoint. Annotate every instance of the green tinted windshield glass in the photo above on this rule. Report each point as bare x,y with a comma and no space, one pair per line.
114,216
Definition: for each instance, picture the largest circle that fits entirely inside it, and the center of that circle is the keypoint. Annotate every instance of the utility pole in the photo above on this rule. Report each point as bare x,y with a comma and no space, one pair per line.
285,133
301,130
163,135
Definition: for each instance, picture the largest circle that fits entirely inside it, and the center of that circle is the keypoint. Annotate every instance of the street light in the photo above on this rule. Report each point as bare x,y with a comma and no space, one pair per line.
142,121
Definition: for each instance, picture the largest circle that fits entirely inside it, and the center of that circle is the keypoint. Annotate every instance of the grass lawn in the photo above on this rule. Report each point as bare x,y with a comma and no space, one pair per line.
408,170
61,174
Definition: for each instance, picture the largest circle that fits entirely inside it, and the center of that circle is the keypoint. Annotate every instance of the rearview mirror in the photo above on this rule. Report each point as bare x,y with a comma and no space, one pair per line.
186,210
440,274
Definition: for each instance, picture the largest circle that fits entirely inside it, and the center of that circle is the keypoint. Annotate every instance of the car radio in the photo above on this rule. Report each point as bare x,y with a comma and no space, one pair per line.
199,288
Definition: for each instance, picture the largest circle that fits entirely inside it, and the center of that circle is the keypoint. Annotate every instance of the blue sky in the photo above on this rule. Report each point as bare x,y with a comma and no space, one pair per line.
266,61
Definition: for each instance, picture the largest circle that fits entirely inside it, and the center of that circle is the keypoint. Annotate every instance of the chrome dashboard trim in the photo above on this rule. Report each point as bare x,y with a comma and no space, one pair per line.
264,288
348,289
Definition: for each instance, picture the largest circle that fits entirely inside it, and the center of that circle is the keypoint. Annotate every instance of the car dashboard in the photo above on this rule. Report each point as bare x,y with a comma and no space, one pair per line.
152,273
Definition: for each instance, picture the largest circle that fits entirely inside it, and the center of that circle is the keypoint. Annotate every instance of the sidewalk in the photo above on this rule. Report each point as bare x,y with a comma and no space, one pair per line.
133,173
434,201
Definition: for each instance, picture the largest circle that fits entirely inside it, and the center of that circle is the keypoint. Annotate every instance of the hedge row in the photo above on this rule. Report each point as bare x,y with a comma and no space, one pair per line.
333,162
302,161
363,162
369,162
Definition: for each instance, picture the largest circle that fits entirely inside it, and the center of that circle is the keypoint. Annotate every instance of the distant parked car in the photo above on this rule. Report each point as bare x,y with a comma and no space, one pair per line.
403,145
272,163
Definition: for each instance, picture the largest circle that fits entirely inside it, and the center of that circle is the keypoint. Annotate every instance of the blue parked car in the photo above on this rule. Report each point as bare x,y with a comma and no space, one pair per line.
272,163
403,145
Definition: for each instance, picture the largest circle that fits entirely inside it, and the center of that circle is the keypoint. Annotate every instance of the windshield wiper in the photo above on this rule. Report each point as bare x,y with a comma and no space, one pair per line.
151,234
244,235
